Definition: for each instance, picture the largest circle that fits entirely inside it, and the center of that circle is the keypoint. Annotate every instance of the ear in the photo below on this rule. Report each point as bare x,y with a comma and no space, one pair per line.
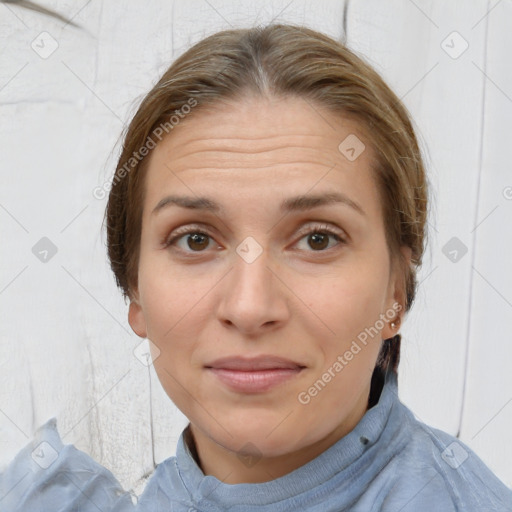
395,302
136,318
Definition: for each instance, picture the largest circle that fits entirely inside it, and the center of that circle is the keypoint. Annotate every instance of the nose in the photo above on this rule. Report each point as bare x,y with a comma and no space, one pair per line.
253,297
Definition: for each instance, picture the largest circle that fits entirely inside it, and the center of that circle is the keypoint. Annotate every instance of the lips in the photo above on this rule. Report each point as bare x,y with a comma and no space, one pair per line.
254,364
253,375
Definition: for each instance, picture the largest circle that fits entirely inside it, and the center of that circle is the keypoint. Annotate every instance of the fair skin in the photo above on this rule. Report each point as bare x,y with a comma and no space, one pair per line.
305,298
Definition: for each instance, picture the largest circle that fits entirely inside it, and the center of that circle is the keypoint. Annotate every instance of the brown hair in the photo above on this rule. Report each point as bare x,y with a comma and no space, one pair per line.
278,60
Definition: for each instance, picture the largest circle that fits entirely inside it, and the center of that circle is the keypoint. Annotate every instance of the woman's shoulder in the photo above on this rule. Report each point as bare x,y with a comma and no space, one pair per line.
46,472
436,465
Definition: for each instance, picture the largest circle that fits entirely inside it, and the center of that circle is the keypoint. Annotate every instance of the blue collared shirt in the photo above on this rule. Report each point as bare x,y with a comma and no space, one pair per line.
389,462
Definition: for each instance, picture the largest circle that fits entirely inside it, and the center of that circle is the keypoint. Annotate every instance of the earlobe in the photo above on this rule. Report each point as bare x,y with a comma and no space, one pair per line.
136,319
397,299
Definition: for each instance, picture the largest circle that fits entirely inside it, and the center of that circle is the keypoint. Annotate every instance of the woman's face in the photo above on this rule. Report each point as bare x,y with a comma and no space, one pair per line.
268,307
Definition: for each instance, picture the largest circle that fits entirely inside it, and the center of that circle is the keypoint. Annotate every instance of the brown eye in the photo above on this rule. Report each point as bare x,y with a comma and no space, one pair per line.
318,237
189,241
318,241
198,241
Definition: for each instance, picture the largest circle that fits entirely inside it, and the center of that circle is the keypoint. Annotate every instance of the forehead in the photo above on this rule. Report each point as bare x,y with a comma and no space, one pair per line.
260,148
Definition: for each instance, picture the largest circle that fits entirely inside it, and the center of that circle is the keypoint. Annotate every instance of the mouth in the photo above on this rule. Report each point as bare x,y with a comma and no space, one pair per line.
254,363
254,375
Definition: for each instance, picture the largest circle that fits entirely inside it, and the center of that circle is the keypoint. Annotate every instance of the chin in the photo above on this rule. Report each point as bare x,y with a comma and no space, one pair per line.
262,432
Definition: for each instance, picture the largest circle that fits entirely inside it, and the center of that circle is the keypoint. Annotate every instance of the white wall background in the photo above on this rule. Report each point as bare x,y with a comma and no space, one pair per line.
66,346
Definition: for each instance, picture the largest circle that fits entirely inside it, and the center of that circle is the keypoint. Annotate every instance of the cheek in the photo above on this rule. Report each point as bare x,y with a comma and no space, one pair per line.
171,298
346,301
174,315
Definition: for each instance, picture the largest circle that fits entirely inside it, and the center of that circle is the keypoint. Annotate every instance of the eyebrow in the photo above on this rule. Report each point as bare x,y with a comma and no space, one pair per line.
297,203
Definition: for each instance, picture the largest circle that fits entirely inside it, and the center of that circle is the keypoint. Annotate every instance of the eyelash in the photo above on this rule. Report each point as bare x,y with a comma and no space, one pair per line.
318,229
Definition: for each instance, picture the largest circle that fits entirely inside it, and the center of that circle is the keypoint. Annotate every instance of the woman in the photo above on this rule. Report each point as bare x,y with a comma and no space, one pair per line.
266,221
